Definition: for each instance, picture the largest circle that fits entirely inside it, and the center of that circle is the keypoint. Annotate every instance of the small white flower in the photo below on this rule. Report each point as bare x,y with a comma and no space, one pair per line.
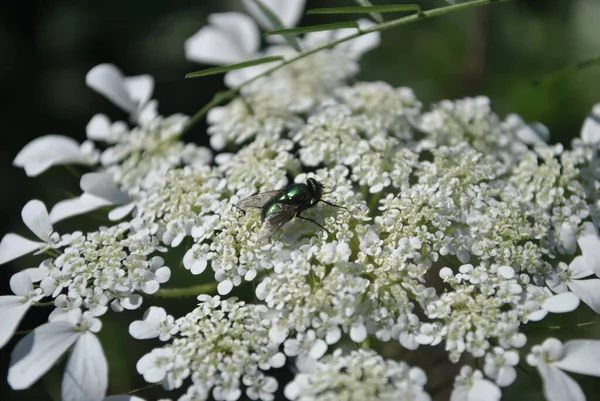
14,307
577,356
36,218
155,365
499,365
156,323
362,374
54,150
305,343
470,385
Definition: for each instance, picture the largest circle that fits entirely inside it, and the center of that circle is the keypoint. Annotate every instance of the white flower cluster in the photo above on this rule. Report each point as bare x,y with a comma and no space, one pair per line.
451,226
360,375
220,345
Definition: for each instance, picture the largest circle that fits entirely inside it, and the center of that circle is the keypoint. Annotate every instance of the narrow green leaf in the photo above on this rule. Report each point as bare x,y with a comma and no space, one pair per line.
566,71
277,24
231,67
366,9
314,28
376,16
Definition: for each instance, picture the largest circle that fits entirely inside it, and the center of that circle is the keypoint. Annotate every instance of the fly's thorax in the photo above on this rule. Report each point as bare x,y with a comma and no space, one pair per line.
297,193
270,208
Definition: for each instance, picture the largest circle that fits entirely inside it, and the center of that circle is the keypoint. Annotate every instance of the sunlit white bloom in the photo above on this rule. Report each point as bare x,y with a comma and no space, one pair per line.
234,338
552,357
469,385
131,94
14,307
36,218
361,375
86,372
53,150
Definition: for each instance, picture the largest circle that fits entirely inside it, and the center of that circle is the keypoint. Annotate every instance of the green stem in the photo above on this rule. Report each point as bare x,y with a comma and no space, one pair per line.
230,94
192,291
49,303
196,290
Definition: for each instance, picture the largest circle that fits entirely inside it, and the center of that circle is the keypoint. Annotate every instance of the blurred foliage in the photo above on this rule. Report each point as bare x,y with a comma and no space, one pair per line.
47,46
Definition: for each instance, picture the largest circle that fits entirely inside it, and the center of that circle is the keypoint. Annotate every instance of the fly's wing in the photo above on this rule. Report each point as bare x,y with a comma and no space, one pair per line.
257,201
274,221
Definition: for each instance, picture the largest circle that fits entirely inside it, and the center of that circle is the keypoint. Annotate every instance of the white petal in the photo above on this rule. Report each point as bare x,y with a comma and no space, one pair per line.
589,244
13,246
224,287
358,333
150,286
119,212
38,351
506,271
36,274
318,349
590,132
86,373
588,291
558,386
163,274
98,129
484,390
579,268
537,315
47,151
581,356
143,330
76,206
20,284
123,397
231,38
506,376
561,303
36,218
107,80
132,302
481,390
103,186
12,310
140,88
240,28
289,12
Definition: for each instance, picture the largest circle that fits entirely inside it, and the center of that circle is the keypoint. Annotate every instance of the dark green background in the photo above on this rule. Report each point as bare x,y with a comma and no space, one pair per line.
46,48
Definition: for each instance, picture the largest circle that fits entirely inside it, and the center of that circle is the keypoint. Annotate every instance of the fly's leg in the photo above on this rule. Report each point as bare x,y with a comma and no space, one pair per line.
332,204
307,219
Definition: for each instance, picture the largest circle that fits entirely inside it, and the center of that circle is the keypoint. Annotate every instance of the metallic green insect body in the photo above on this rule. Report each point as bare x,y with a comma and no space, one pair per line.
280,206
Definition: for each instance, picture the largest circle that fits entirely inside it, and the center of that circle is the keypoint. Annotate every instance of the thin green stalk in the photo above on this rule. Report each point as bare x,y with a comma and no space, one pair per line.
436,12
192,291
